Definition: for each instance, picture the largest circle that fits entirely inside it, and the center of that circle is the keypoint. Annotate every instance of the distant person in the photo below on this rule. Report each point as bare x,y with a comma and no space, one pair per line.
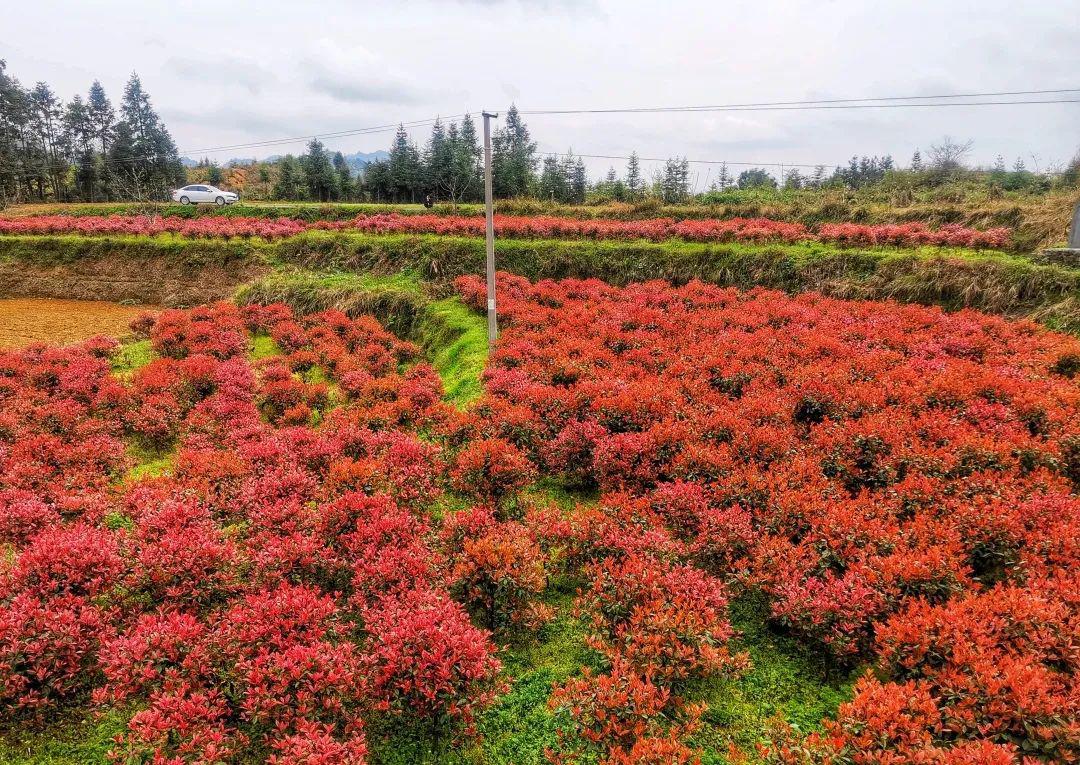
428,201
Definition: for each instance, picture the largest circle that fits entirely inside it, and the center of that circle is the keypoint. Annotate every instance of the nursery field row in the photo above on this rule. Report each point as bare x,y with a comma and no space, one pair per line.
534,227
267,535
952,278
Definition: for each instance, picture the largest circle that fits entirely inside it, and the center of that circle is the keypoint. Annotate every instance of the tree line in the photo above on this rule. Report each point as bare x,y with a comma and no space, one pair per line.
83,149
86,150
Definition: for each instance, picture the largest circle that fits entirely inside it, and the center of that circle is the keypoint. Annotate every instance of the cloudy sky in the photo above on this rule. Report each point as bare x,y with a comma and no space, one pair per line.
223,73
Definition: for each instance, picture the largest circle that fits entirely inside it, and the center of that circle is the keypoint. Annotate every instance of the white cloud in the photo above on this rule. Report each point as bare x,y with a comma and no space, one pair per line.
355,74
290,71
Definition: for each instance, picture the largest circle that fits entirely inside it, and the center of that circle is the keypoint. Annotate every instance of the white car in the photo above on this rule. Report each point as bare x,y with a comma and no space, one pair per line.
192,195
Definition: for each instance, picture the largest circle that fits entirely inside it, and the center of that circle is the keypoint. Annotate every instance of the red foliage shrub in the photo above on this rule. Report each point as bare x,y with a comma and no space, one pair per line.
76,560
315,745
427,660
618,716
47,649
491,470
499,569
667,621
540,226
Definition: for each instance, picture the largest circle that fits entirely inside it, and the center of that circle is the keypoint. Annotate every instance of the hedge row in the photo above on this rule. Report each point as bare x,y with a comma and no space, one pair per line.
1037,221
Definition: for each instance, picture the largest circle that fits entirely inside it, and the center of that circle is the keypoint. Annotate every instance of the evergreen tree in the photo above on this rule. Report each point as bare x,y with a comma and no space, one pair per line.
101,115
634,183
463,181
513,161
318,172
439,161
47,126
344,174
552,184
80,136
579,182
153,161
405,167
13,120
125,179
916,161
794,180
675,181
290,179
213,175
376,180
723,178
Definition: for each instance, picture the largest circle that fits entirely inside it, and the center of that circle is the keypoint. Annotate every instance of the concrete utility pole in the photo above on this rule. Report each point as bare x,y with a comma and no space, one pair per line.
493,322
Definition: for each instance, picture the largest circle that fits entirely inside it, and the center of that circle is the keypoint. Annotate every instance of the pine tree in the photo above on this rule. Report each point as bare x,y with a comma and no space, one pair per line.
44,149
14,115
376,180
793,179
318,173
80,138
723,178
634,183
439,160
579,182
513,161
916,161
213,175
101,115
344,174
464,182
154,163
405,168
125,179
552,184
288,185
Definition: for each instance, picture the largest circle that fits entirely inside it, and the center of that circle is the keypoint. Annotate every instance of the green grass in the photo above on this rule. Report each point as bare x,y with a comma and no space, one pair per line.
262,347
131,357
386,274
519,726
65,249
453,337
786,678
71,739
150,462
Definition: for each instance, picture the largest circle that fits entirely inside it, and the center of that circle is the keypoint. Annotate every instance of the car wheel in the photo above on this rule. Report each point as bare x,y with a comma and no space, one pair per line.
185,201
220,201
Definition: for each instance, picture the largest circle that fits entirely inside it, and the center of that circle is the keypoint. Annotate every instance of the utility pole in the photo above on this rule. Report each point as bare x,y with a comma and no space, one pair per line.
493,322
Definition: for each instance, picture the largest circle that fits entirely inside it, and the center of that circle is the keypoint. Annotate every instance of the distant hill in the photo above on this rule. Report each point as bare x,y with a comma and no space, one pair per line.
360,160
357,160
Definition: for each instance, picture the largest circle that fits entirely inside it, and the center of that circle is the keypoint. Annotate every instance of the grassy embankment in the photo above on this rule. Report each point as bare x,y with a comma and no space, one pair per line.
990,281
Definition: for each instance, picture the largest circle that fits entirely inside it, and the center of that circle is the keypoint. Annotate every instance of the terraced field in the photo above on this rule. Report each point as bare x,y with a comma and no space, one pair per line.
756,494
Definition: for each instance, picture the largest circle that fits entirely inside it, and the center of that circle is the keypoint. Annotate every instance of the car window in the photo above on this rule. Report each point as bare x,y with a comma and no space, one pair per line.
190,188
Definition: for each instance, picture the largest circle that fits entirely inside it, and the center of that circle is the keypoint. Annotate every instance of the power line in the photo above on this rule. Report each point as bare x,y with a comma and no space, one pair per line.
695,161
338,134
834,103
885,102
279,141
